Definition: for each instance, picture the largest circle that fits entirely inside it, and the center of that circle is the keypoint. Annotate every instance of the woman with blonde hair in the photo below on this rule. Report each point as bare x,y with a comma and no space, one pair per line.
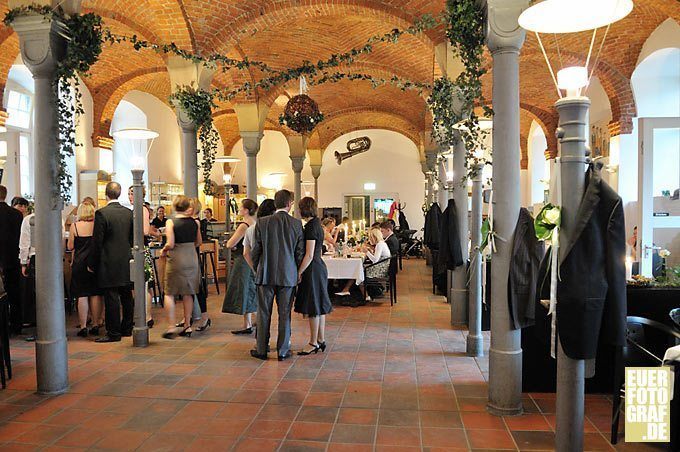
83,282
376,251
182,274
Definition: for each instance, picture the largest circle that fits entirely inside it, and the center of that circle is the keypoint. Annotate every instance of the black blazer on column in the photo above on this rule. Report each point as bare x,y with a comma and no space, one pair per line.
112,246
527,252
591,291
450,249
10,230
432,219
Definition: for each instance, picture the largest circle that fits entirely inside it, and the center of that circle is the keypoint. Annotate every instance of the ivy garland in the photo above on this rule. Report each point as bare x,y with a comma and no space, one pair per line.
198,105
83,34
465,30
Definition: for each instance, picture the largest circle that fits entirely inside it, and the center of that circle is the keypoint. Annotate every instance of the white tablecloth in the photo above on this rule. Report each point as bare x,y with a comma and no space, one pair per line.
341,268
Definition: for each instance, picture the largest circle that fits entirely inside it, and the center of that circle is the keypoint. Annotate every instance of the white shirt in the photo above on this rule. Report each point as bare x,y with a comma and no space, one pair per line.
382,251
26,249
249,237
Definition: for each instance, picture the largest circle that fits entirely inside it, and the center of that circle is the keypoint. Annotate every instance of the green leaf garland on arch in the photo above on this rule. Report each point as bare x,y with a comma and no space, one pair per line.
464,20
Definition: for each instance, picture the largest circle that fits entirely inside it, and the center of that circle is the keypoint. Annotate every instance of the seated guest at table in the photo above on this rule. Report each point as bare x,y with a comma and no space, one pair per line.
182,274
241,296
387,229
312,298
110,260
375,251
89,200
328,240
84,285
340,229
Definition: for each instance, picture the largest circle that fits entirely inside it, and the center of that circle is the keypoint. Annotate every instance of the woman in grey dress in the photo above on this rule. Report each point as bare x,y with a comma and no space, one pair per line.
182,275
241,295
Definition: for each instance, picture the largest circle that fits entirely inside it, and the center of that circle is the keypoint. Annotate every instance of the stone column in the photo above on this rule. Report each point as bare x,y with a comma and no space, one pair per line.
190,153
140,332
459,294
573,136
41,47
474,340
316,172
251,146
504,39
442,194
298,164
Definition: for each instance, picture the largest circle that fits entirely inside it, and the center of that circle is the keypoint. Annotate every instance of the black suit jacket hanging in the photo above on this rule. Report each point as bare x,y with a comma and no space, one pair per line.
450,249
527,252
432,219
591,290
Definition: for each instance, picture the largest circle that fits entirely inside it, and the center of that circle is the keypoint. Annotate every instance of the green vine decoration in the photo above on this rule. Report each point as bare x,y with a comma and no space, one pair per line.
83,34
198,105
465,31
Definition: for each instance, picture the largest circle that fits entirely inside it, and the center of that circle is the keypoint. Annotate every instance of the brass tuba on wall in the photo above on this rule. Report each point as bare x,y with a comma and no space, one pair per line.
354,146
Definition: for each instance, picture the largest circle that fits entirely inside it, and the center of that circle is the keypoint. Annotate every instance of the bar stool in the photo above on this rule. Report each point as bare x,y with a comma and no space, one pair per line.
156,286
204,268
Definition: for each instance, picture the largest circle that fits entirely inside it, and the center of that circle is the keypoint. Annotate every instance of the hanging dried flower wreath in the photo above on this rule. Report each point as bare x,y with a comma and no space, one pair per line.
301,115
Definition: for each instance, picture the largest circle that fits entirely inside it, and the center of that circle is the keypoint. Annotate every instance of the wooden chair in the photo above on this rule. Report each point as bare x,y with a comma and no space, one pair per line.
646,343
379,275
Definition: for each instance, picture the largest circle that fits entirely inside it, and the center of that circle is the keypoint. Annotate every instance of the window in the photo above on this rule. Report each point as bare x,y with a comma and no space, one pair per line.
19,109
106,160
25,164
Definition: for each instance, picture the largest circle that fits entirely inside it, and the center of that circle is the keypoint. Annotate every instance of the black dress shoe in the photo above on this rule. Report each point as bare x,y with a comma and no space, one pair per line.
254,354
286,356
126,333
150,323
107,339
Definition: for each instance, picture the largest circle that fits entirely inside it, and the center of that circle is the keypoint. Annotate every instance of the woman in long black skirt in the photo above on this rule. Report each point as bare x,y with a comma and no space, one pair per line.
312,294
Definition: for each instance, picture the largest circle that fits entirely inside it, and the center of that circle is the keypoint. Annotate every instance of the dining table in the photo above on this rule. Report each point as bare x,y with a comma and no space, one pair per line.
345,268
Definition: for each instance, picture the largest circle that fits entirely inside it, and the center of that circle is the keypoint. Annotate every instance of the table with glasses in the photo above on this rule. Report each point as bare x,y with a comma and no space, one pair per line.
345,268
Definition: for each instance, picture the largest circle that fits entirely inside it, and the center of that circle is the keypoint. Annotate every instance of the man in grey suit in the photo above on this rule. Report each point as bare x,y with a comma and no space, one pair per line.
278,249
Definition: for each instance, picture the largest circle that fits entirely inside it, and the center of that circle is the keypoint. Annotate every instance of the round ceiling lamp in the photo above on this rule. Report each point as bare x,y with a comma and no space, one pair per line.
572,16
135,133
227,159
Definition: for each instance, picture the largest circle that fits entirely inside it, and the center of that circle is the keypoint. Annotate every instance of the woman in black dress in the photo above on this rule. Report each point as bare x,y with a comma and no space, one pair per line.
83,282
312,294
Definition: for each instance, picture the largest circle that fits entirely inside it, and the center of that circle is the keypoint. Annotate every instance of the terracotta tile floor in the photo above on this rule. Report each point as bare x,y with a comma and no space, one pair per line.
392,379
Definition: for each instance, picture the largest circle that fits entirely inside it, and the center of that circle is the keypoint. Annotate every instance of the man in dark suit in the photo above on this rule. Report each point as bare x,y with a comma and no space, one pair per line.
387,229
111,262
10,225
278,249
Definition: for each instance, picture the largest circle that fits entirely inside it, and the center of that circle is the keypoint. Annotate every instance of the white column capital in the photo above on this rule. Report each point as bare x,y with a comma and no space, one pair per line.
186,124
503,32
41,43
251,142
316,171
298,163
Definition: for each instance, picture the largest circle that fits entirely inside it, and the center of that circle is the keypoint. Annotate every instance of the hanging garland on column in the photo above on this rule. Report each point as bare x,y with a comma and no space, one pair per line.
83,34
465,31
198,105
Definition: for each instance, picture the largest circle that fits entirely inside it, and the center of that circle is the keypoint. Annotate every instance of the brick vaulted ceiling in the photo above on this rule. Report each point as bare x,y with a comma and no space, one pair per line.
284,33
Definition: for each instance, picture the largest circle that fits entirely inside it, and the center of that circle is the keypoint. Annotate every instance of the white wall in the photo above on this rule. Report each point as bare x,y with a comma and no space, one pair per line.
392,164
274,157
656,86
536,151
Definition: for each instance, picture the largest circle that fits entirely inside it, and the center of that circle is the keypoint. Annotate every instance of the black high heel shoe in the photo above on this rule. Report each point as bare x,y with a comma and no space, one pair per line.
315,349
322,346
204,327
82,332
186,332
94,331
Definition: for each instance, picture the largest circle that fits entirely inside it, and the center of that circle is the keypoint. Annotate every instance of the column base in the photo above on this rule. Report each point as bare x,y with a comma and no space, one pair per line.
51,366
474,345
505,381
140,336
